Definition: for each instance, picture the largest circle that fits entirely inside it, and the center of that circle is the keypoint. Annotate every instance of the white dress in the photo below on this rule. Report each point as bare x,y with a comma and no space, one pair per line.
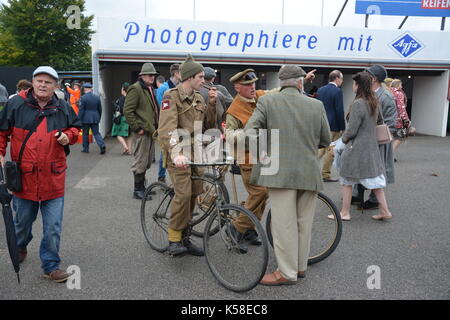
378,182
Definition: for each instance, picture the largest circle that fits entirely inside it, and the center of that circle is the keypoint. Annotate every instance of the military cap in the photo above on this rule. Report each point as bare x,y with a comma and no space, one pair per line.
148,68
189,68
378,71
290,71
244,77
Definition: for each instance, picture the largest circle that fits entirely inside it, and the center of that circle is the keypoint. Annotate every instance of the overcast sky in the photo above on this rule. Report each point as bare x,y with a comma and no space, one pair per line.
307,12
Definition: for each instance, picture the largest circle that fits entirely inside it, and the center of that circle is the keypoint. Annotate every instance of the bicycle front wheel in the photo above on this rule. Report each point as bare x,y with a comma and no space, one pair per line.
325,233
155,215
235,270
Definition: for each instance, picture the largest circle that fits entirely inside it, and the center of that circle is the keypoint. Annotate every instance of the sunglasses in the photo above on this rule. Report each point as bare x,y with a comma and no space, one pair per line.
249,76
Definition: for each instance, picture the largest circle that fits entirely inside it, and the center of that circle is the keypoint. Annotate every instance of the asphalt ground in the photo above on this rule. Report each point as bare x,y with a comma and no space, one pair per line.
102,235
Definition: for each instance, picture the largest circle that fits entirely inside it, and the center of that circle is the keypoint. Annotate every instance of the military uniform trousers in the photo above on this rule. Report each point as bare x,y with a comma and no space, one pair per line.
256,200
186,192
329,155
292,218
142,152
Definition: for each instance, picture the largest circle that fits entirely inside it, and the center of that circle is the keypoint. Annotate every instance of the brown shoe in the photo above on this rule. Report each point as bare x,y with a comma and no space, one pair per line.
275,279
57,276
22,254
301,274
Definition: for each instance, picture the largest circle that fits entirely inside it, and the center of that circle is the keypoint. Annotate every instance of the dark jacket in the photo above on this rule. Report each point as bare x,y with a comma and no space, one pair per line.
44,160
141,109
90,109
332,99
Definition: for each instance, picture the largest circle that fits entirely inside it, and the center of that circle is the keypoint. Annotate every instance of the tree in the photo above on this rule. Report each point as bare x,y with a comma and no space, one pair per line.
36,32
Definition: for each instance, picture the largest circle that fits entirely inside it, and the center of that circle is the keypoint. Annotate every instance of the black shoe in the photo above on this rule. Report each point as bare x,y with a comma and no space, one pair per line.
356,200
139,194
238,238
368,205
162,179
252,237
330,180
193,249
103,150
177,248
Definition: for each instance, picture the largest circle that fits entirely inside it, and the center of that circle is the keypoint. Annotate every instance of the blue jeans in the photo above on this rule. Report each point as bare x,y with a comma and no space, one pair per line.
162,171
97,136
52,216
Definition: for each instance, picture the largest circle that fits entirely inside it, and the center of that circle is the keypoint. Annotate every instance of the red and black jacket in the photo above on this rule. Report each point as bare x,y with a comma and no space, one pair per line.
43,162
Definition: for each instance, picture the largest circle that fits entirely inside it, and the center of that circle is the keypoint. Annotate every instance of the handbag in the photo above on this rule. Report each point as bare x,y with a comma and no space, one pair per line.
382,131
117,114
13,174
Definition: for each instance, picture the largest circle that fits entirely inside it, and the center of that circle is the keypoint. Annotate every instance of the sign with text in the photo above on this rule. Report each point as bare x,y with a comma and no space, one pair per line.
267,41
412,8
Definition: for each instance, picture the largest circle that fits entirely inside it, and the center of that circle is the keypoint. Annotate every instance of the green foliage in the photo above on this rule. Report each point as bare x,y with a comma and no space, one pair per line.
35,32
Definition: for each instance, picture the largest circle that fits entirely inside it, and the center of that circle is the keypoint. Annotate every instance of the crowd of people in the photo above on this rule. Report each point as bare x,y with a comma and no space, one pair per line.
152,109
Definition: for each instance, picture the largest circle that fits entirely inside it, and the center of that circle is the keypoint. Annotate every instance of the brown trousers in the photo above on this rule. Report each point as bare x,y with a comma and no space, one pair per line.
329,155
186,191
256,200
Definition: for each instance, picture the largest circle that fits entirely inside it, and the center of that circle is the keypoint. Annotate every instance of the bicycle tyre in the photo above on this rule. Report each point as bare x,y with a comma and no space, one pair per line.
236,279
155,222
323,254
197,226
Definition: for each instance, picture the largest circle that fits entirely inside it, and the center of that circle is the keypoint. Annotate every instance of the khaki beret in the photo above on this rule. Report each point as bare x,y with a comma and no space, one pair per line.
244,77
290,71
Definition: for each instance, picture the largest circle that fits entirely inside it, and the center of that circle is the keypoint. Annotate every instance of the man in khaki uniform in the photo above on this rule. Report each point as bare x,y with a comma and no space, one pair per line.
180,107
237,116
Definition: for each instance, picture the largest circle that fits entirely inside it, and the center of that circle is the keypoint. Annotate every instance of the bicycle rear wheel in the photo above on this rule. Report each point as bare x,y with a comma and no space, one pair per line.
325,234
155,215
206,204
234,270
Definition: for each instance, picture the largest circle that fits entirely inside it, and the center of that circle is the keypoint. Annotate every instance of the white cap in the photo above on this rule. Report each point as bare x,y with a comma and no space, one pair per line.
47,70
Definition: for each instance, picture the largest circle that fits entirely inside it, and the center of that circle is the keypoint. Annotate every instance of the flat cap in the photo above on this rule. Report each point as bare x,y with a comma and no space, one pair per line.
244,77
46,70
209,73
378,71
290,71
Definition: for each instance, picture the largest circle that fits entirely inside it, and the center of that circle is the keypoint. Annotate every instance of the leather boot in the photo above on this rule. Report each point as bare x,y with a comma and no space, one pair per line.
139,186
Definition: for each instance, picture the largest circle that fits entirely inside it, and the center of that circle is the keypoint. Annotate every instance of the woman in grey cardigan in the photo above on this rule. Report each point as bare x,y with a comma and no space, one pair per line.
361,161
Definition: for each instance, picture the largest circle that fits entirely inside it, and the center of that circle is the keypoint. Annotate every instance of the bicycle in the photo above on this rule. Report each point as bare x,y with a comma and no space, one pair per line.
326,233
233,269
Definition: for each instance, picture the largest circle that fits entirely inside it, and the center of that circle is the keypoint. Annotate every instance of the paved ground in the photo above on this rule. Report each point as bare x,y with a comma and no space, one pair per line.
102,235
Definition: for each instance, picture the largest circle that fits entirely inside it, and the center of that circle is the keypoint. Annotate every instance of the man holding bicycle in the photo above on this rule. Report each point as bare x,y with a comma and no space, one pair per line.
303,127
180,108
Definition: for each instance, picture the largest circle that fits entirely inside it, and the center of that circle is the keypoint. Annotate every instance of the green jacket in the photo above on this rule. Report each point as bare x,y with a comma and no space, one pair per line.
140,109
303,128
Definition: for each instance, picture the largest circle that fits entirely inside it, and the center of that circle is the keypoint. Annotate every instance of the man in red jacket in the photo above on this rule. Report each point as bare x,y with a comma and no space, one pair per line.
54,125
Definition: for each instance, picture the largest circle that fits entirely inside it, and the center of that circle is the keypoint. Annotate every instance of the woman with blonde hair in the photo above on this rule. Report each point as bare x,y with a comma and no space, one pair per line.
360,161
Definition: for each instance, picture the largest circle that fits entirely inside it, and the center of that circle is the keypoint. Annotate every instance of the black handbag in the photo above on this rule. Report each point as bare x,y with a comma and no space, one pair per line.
13,174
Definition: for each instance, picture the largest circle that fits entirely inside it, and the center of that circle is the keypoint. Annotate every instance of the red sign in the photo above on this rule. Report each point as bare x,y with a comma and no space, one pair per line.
435,4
